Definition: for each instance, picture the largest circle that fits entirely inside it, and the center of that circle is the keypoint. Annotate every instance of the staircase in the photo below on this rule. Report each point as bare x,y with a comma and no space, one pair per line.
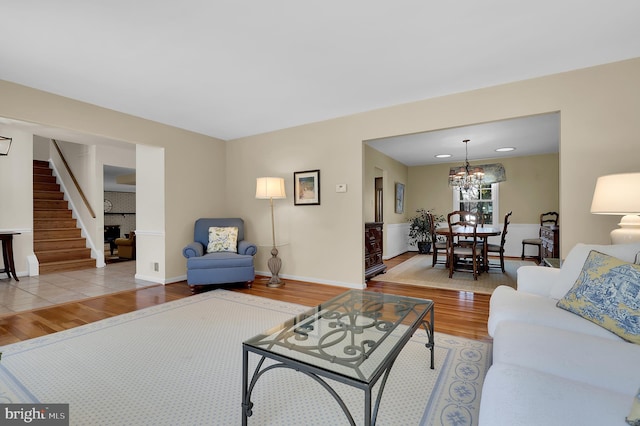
57,240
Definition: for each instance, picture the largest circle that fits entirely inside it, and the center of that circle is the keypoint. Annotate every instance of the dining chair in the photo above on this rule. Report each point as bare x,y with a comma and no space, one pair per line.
495,248
549,218
472,253
467,241
436,246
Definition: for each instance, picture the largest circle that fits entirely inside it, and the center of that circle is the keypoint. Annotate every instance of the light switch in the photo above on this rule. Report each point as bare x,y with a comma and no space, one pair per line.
341,187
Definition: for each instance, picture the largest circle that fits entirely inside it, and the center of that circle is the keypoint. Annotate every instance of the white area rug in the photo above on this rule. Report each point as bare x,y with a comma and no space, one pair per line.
180,363
418,271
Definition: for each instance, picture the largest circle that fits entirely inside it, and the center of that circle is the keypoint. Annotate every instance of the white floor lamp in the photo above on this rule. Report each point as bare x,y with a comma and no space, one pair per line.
619,194
272,188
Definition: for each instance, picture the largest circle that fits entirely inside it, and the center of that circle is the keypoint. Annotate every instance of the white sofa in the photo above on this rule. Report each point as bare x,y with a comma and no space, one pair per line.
550,366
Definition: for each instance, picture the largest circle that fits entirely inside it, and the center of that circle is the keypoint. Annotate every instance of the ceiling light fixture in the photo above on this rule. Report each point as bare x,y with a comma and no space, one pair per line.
442,155
506,149
466,177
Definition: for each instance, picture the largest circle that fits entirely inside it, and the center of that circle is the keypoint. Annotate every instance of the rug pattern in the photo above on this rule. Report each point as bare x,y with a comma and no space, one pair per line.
181,362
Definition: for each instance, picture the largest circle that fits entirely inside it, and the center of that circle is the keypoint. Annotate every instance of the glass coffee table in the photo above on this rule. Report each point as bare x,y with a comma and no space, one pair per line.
353,338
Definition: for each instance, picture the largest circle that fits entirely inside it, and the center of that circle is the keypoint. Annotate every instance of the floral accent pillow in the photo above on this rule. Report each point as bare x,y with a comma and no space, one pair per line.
607,292
223,239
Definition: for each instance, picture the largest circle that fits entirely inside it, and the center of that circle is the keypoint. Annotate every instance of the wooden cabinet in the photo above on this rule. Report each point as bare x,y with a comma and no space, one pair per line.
550,236
373,264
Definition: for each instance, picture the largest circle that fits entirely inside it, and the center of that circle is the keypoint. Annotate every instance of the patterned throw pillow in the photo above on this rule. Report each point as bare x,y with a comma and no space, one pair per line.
607,292
223,239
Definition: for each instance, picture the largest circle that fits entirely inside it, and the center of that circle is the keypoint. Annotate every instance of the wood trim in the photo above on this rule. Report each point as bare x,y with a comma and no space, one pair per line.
73,178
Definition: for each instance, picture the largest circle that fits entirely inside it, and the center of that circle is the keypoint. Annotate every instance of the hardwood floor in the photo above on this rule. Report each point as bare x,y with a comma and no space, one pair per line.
458,313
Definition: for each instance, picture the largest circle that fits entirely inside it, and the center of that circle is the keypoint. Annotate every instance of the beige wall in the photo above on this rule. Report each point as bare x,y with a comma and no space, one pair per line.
429,189
192,181
319,243
377,164
16,213
392,172
599,135
531,188
599,132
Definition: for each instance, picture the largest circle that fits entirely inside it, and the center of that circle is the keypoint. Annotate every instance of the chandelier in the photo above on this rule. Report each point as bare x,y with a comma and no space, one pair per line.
465,177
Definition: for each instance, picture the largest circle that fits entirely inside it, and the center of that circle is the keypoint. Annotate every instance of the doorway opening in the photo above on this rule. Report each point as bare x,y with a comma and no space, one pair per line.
379,200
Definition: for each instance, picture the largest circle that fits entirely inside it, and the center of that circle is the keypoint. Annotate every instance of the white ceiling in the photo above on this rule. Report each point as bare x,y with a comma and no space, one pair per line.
235,68
110,179
539,134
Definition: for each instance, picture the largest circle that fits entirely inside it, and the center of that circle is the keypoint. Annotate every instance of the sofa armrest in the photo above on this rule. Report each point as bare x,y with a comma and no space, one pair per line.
245,247
123,242
537,279
194,249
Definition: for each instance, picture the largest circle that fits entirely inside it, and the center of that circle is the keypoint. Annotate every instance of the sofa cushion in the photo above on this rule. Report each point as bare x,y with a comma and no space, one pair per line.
607,293
223,238
219,260
507,304
612,365
514,395
572,265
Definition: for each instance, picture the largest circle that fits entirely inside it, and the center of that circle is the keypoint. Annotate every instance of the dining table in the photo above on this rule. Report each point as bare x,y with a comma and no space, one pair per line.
483,232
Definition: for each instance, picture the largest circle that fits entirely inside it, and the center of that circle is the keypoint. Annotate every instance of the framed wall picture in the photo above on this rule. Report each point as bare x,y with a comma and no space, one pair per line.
399,198
306,188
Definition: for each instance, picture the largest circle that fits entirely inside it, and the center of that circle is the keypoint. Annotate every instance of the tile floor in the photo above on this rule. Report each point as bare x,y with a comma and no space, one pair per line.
52,289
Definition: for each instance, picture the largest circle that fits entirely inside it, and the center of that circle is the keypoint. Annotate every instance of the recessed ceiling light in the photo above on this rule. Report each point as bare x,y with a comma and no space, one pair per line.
442,155
506,149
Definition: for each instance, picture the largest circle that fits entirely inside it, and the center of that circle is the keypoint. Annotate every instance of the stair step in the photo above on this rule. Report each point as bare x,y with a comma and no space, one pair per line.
67,265
58,243
58,223
65,254
50,205
41,171
48,234
51,214
47,195
46,186
41,178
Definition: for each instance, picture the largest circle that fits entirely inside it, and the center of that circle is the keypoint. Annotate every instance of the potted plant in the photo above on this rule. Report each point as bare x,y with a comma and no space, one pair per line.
420,229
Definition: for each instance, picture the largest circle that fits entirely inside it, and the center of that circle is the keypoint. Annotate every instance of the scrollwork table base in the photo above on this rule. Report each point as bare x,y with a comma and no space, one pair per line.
353,339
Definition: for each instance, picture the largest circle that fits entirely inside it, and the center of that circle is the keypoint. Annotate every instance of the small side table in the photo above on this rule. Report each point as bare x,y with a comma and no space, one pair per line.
7,254
552,262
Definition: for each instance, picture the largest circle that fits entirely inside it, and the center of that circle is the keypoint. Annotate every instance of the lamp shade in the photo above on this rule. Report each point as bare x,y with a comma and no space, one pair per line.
620,195
270,187
617,194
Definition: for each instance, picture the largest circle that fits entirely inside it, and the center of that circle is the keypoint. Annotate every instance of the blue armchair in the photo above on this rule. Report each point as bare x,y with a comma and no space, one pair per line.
221,267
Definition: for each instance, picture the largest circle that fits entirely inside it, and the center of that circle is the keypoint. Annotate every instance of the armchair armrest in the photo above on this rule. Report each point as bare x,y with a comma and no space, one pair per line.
537,280
245,247
194,249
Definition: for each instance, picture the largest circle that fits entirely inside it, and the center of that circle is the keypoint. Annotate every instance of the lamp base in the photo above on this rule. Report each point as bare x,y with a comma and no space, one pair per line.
274,264
629,231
